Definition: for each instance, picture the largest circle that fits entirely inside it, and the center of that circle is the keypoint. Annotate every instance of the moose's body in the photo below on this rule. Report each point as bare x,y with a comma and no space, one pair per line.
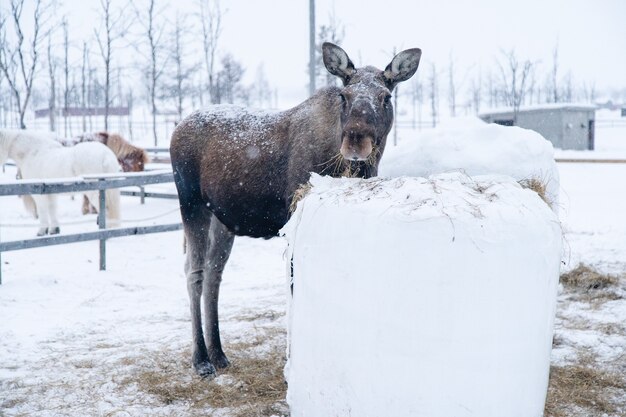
254,161
236,171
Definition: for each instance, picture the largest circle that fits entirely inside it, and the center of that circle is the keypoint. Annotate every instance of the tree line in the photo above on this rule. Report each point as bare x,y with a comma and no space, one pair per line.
39,67
43,66
510,80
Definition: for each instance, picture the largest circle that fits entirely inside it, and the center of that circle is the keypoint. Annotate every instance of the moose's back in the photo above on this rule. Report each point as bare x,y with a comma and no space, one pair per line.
234,160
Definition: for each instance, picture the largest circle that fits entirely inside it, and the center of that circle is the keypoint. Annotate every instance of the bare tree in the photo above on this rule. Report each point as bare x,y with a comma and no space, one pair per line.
492,91
115,27
452,86
261,90
538,93
532,83
417,99
19,65
211,19
90,92
433,93
333,32
129,103
179,86
197,98
589,91
568,88
396,94
229,79
514,77
312,47
3,105
66,74
476,92
83,87
52,102
553,87
156,55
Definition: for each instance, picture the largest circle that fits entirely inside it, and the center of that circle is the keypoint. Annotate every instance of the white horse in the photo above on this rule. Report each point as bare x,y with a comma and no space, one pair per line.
39,155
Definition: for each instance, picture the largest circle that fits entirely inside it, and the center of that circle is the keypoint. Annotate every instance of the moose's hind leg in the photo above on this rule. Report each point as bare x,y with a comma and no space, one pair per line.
221,243
196,223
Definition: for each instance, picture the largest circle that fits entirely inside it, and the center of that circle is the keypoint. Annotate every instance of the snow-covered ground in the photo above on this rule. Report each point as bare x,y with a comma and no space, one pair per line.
79,342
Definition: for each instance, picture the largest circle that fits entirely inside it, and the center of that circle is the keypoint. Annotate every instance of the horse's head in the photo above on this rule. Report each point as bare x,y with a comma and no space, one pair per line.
133,159
366,109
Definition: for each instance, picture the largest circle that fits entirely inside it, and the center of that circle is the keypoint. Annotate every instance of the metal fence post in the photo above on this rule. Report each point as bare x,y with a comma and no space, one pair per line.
1,256
102,225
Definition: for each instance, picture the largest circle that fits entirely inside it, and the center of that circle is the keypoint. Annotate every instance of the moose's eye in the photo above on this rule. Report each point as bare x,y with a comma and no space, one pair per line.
387,99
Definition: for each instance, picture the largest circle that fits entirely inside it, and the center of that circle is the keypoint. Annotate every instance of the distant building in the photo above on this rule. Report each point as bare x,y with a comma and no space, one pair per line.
566,125
84,111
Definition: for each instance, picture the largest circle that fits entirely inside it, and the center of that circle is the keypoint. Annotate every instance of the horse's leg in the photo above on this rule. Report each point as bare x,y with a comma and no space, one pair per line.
91,200
221,243
196,221
53,228
86,209
41,203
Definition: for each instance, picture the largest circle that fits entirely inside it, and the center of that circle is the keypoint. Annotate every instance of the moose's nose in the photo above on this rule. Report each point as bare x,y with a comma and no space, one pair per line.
357,145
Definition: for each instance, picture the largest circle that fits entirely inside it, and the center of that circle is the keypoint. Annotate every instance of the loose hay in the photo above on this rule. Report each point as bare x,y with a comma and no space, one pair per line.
584,388
253,386
588,285
586,278
537,186
588,386
300,193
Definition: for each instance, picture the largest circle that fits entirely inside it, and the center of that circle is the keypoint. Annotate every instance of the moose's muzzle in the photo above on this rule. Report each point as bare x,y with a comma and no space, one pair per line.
357,145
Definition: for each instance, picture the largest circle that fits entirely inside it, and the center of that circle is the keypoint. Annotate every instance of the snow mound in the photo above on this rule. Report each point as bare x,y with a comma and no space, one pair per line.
476,149
421,297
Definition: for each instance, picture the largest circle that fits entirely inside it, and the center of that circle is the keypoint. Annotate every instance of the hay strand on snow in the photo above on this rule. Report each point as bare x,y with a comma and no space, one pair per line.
300,193
537,186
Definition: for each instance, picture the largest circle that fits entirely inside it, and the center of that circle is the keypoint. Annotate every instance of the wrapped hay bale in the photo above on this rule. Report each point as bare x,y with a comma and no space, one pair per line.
478,149
421,297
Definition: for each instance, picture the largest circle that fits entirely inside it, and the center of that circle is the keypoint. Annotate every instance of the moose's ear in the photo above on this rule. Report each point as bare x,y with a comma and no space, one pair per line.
337,62
402,67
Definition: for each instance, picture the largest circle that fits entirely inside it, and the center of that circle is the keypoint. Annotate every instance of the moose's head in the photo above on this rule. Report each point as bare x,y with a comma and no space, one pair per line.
366,109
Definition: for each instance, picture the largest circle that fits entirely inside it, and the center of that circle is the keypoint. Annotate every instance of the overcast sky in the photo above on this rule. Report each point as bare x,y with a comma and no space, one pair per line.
591,34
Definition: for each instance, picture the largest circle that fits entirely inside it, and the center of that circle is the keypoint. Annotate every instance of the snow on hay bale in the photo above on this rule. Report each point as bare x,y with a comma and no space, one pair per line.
421,297
477,148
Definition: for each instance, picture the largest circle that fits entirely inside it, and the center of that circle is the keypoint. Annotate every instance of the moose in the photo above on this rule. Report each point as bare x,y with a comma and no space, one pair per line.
236,172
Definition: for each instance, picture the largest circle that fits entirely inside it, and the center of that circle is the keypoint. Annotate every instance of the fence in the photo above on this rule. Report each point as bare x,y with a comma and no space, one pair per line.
87,183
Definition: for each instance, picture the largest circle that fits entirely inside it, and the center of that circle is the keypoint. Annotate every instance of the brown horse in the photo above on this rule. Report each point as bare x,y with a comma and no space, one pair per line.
236,171
130,157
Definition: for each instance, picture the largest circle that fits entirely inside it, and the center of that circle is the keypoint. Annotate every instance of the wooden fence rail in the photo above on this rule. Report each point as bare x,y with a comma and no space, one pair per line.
101,183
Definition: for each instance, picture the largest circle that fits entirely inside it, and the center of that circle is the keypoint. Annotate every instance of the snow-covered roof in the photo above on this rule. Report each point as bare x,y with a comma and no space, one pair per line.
540,107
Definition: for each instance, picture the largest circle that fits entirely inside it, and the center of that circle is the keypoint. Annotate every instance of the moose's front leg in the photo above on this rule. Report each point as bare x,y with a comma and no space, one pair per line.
221,243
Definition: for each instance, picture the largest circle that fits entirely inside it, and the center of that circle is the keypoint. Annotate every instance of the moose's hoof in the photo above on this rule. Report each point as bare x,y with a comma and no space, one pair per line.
205,369
219,360
43,231
54,231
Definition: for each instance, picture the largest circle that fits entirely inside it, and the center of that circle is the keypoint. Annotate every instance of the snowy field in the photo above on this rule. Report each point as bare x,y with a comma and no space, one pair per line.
75,341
